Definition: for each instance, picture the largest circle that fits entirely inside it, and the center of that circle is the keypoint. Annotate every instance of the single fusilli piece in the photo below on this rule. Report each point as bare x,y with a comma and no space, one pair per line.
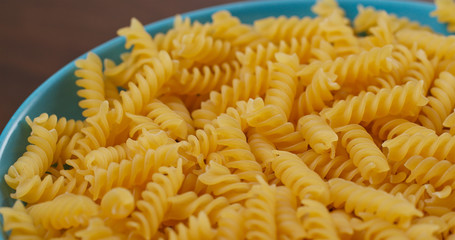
359,199
198,228
90,72
303,182
149,82
401,100
271,122
38,157
443,11
288,224
341,166
283,82
167,119
143,49
263,53
435,45
204,79
20,223
336,30
231,224
118,203
391,127
364,153
203,49
230,28
355,68
97,229
221,182
430,170
151,209
316,220
316,96
317,132
260,212
440,103
426,145
287,28
65,211
250,85
326,8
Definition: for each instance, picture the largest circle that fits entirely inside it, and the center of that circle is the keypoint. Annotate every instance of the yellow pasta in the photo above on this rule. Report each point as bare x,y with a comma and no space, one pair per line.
286,128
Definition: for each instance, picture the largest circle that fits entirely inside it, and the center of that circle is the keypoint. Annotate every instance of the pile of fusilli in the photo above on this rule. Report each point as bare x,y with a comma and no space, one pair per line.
289,128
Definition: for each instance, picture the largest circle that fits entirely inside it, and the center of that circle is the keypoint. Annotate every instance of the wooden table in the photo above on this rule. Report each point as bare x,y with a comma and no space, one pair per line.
39,37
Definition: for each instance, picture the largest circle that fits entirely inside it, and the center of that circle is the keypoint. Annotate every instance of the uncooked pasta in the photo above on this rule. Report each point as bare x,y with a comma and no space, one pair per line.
290,127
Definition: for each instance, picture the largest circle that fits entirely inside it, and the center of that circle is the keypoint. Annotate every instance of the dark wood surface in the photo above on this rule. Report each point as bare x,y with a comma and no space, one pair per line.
39,37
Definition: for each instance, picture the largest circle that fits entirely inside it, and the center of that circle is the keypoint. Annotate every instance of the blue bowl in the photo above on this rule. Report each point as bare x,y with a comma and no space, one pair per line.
57,95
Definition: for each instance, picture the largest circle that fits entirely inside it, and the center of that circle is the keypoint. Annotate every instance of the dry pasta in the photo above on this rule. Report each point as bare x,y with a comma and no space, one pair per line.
287,128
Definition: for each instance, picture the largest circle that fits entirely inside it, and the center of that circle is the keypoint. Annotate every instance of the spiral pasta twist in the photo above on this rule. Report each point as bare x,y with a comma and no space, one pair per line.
286,28
440,103
229,28
288,224
128,173
251,85
449,122
65,211
260,211
414,193
283,82
391,127
321,50
20,223
271,122
316,220
143,49
198,228
235,149
321,137
377,228
430,170
341,166
149,81
382,33
401,100
368,18
203,49
220,181
263,53
38,157
440,48
443,11
168,120
356,68
201,144
231,223
364,153
303,182
154,203
118,203
326,8
203,80
95,135
359,199
97,229
103,156
182,206
317,95
90,72
426,145
335,30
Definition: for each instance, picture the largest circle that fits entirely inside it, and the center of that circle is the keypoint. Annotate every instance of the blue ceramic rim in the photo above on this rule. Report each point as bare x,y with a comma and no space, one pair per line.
19,115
